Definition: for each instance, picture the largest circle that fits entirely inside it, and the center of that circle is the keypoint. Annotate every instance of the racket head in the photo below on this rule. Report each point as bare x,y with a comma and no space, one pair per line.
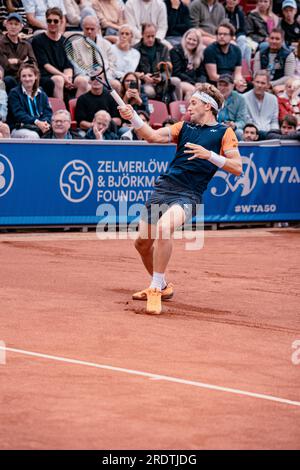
86,58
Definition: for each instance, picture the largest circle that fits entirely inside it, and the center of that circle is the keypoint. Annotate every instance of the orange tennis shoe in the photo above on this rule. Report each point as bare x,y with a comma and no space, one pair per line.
154,301
166,294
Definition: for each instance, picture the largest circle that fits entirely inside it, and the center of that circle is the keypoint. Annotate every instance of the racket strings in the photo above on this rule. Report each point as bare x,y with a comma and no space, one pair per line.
84,56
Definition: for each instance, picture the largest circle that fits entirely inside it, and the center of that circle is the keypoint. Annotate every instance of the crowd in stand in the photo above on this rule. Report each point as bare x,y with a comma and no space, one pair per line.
153,50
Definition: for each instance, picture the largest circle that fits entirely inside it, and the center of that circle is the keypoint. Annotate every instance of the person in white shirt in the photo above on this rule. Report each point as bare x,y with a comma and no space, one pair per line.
127,58
138,12
36,12
262,106
91,30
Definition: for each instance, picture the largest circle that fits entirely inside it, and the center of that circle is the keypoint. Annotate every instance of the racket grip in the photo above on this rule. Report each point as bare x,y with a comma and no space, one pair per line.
117,98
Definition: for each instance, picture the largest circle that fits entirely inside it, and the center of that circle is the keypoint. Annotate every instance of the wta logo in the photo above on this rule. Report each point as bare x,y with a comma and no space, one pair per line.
228,182
6,175
224,182
76,181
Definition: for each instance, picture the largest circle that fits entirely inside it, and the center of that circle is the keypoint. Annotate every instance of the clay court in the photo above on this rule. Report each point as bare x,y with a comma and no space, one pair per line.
86,368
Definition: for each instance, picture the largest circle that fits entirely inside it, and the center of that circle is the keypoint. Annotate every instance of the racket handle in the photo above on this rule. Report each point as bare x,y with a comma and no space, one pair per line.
117,98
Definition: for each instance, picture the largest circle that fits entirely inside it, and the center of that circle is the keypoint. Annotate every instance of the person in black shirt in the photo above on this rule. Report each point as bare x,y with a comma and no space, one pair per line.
223,57
56,70
288,129
289,24
94,100
187,62
234,13
178,20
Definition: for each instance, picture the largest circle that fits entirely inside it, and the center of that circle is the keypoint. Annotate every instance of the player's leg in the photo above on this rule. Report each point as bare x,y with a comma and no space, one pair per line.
144,244
168,223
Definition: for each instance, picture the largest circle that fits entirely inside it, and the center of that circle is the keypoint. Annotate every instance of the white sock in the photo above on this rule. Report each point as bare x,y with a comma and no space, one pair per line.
158,281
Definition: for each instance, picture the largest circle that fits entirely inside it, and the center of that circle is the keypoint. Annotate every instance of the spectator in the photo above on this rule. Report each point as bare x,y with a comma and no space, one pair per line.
187,62
36,13
130,134
56,70
289,101
91,30
102,127
277,6
250,133
262,106
131,92
222,56
207,15
290,23
235,15
29,112
274,57
139,12
234,111
179,21
127,58
61,127
76,11
11,6
94,100
260,22
110,14
153,52
14,51
288,130
3,97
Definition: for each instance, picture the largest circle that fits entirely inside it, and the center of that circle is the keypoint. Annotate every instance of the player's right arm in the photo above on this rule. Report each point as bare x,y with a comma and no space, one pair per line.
159,136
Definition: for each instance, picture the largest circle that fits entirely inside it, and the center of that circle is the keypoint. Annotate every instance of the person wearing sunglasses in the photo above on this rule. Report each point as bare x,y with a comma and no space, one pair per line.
36,13
56,70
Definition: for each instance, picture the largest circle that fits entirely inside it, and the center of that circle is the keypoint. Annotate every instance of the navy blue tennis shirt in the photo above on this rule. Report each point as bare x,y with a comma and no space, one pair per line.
196,174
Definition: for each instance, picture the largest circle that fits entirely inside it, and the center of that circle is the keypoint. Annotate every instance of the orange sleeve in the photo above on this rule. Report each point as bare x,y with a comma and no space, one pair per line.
175,130
229,141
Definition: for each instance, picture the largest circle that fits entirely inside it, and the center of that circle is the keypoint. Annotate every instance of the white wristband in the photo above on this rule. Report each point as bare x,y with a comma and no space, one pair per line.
137,121
217,160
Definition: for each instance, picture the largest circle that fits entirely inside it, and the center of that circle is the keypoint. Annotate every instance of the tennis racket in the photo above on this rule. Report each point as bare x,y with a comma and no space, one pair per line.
86,58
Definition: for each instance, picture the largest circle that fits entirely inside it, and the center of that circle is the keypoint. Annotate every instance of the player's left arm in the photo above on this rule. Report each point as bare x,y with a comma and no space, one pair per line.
229,158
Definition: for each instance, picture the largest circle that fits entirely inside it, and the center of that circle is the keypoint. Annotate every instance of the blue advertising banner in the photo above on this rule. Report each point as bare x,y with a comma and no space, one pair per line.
53,183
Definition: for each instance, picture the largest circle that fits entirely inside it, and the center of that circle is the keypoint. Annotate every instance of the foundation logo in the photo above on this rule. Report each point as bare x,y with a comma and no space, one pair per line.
76,181
228,182
6,175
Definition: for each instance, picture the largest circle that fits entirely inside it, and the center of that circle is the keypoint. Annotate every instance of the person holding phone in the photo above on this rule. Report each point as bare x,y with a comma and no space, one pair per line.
132,93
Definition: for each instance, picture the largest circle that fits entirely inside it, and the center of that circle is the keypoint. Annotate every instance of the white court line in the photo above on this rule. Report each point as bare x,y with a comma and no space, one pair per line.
155,376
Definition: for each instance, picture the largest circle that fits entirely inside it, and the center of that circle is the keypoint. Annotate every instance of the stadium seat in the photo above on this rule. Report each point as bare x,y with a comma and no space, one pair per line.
56,104
178,110
248,5
72,106
158,113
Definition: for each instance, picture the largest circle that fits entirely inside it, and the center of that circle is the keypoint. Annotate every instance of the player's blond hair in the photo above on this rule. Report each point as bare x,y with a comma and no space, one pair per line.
212,91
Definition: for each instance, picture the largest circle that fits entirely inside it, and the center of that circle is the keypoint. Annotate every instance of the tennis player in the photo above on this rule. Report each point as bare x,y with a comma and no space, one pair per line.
203,146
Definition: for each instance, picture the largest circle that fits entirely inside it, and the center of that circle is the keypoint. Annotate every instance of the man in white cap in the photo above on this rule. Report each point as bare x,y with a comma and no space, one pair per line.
178,192
289,23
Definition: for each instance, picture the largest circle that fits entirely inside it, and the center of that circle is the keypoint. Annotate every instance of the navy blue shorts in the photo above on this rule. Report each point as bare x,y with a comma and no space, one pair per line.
167,193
